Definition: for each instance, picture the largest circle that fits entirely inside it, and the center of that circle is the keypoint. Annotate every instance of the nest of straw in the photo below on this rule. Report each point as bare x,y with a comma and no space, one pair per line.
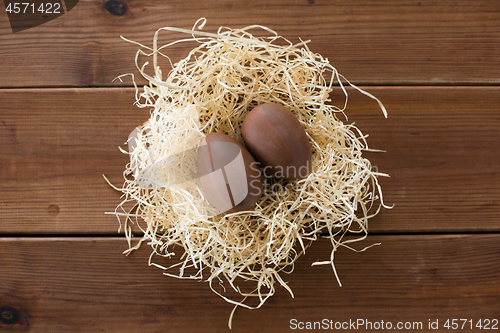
211,90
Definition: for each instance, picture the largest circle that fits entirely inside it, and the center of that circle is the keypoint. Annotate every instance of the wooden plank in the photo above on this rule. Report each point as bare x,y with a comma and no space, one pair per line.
86,285
56,146
383,42
440,144
442,156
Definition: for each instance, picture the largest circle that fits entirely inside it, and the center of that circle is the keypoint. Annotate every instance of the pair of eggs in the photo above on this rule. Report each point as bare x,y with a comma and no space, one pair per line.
276,144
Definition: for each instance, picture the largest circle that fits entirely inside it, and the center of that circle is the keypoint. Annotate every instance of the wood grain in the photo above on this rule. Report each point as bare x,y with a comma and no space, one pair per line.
86,285
383,42
434,64
56,146
441,153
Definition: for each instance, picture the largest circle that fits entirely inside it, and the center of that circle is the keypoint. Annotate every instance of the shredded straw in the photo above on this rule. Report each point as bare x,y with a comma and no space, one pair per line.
211,90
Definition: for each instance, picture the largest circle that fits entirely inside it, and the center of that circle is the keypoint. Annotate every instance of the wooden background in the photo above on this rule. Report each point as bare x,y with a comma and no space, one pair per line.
434,64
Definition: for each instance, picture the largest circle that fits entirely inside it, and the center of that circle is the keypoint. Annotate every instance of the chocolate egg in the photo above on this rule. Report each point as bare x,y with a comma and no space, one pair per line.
230,177
276,138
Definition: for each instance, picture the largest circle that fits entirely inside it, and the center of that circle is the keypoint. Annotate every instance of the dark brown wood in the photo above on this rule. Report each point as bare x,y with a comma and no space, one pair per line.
86,285
383,42
56,146
441,153
435,66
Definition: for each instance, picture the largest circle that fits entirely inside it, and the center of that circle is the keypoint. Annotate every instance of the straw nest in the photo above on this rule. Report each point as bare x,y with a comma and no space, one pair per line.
211,90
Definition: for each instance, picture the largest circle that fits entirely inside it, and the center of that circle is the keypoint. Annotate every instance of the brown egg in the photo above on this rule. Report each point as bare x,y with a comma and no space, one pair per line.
230,177
276,138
